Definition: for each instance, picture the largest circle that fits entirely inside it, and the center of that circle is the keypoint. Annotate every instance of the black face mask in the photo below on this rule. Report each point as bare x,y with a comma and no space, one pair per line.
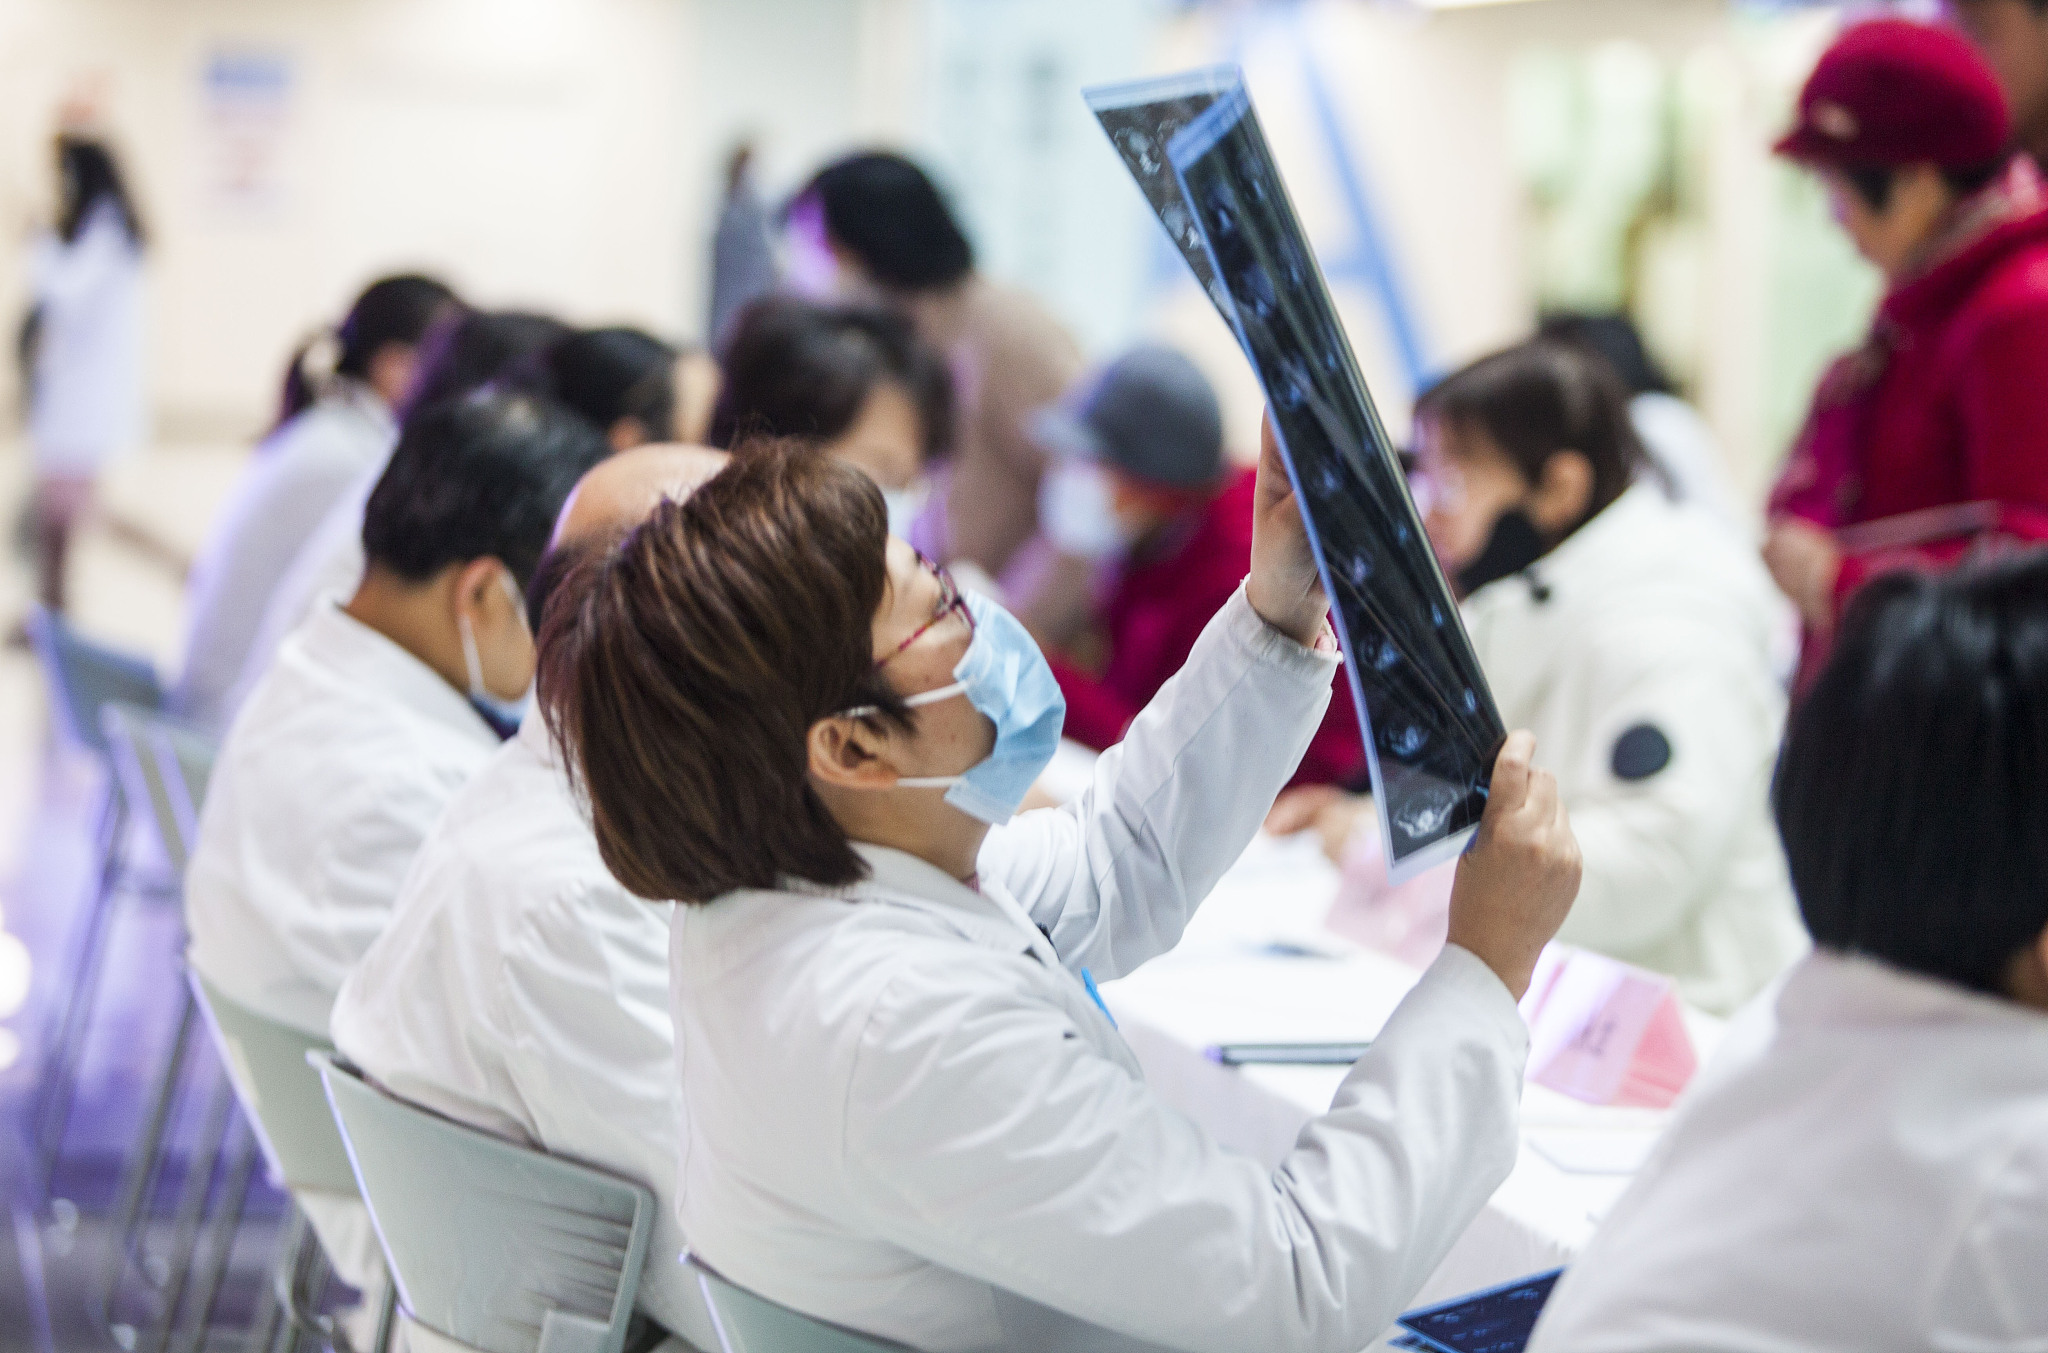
1513,546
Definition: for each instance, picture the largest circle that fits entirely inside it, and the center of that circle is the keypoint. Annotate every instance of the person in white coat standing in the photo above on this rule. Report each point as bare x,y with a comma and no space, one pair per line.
1635,636
335,422
518,987
86,378
907,1112
1864,1166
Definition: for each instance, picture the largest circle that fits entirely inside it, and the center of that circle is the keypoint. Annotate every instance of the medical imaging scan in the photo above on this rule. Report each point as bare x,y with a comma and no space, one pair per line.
1499,1320
1194,144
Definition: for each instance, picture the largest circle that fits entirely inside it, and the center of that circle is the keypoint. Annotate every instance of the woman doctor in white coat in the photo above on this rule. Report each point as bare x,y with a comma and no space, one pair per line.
907,1113
85,397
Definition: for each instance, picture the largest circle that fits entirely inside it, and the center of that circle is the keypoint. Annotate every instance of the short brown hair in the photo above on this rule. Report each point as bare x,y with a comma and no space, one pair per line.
682,668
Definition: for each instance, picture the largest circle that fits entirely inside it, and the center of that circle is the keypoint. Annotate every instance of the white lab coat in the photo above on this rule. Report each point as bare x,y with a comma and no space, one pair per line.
86,404
907,1116
521,990
293,481
1651,616
329,780
1864,1168
330,562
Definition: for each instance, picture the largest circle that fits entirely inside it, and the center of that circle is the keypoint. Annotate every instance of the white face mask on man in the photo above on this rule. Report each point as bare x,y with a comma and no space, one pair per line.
1077,511
504,716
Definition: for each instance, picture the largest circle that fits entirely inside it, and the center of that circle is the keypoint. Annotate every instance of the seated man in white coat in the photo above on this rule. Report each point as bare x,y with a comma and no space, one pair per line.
1865,1166
520,989
375,713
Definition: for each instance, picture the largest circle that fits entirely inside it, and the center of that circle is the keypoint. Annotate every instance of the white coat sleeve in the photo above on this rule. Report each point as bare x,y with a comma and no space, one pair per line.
1648,841
985,1136
1114,876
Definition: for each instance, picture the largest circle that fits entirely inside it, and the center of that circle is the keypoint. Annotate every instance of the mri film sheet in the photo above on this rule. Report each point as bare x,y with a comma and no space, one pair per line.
1141,119
1430,723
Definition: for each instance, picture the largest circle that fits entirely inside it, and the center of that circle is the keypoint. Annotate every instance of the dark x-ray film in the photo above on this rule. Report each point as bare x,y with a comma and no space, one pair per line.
1498,1320
1431,727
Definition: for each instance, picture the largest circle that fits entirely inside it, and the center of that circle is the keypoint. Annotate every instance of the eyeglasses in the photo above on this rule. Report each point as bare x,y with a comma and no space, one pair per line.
951,601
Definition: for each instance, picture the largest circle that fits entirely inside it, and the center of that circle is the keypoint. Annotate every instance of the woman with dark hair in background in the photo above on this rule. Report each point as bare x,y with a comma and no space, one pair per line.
875,227
1678,440
465,352
86,386
1634,636
857,380
333,425
621,381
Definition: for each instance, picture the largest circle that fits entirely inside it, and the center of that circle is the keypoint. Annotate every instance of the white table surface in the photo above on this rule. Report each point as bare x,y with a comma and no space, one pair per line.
1256,966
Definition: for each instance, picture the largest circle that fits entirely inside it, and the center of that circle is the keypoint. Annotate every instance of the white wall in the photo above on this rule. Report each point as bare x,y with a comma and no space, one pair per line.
526,149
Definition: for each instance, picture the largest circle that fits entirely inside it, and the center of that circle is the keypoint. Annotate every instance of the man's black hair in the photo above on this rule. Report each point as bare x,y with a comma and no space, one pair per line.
891,216
1912,794
481,477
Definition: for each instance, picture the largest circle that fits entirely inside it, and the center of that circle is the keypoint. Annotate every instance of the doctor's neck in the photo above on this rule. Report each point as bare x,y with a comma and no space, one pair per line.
915,821
418,617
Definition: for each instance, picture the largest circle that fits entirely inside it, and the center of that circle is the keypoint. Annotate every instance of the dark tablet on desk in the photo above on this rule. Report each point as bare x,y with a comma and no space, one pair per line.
1194,145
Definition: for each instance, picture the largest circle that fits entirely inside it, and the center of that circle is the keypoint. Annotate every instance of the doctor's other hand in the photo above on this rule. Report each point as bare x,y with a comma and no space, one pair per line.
1516,885
1284,588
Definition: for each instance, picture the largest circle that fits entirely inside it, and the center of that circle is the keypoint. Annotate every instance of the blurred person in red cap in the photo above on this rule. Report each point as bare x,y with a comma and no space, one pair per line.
1931,440
2013,36
1146,533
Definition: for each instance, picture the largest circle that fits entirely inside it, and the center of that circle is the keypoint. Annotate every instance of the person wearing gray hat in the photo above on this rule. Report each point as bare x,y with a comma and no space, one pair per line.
1146,530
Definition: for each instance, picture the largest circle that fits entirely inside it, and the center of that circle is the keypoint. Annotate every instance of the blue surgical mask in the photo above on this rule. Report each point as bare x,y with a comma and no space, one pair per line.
1006,678
504,716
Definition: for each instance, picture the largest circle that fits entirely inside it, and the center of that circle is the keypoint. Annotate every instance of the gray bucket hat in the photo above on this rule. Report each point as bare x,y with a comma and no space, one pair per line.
1150,413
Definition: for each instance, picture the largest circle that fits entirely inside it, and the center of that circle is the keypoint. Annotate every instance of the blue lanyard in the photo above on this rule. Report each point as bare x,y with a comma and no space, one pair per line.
1088,981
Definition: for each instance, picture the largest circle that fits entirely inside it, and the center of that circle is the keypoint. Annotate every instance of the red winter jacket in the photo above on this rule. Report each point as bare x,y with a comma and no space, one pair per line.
1156,610
1946,407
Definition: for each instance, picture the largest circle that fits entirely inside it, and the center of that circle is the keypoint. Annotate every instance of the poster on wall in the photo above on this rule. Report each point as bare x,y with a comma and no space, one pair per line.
246,106
1431,727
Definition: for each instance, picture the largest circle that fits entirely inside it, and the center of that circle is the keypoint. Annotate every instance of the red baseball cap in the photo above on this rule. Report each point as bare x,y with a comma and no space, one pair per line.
1892,92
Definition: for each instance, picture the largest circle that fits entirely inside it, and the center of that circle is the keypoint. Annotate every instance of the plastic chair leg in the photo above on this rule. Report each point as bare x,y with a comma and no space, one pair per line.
65,1051
145,1162
226,1223
387,1317
191,1214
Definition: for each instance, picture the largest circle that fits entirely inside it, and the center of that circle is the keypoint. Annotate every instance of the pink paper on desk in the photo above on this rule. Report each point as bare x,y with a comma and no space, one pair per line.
1606,1032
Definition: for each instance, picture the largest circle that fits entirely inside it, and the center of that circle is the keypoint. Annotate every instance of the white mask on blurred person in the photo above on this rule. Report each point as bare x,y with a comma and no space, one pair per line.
1077,511
906,505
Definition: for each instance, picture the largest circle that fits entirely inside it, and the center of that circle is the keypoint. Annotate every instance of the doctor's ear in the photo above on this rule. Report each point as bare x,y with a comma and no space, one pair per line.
1564,492
848,752
475,582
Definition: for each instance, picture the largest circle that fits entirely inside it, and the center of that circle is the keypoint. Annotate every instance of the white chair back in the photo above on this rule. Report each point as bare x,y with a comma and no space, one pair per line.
492,1246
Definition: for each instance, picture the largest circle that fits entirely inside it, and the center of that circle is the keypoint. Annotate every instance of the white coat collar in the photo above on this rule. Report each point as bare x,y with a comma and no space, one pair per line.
1852,991
990,917
361,657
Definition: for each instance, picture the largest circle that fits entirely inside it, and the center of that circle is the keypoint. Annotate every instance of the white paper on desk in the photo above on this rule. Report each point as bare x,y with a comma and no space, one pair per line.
1593,1151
